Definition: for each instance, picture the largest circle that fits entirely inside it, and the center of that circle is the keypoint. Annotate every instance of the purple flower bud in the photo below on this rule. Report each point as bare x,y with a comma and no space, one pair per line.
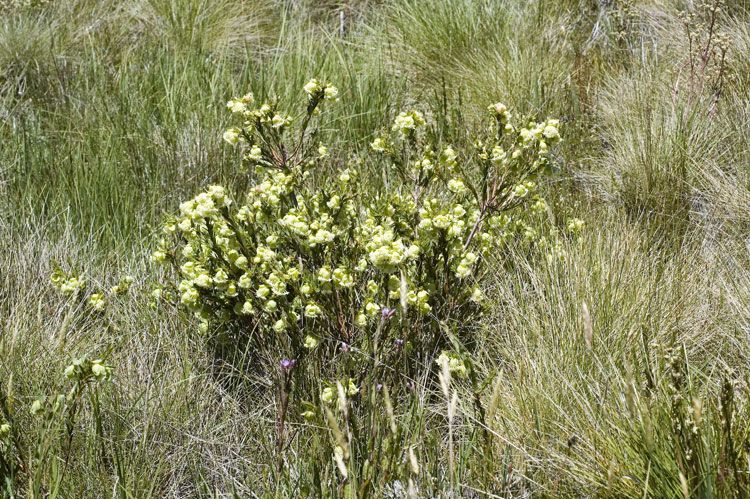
387,313
379,386
288,364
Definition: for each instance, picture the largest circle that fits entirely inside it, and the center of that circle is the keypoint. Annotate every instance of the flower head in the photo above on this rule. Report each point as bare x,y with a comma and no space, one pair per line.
316,89
232,136
287,364
407,122
99,370
312,87
499,111
311,342
575,225
96,302
379,144
454,363
327,395
330,92
312,311
387,313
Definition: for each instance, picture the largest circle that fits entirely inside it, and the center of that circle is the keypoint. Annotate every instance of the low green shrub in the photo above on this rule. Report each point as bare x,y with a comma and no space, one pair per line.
341,266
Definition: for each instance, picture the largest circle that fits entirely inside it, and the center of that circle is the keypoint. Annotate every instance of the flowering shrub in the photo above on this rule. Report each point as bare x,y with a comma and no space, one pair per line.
349,266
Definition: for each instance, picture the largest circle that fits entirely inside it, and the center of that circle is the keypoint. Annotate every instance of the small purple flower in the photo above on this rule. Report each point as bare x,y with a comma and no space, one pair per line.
387,313
379,386
288,364
398,342
345,346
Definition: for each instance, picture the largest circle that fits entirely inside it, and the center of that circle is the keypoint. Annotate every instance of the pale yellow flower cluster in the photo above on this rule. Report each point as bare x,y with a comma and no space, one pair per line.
85,369
69,285
317,90
455,365
329,393
407,122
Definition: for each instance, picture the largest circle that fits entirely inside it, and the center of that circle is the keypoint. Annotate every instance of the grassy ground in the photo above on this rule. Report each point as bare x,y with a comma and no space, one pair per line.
621,372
